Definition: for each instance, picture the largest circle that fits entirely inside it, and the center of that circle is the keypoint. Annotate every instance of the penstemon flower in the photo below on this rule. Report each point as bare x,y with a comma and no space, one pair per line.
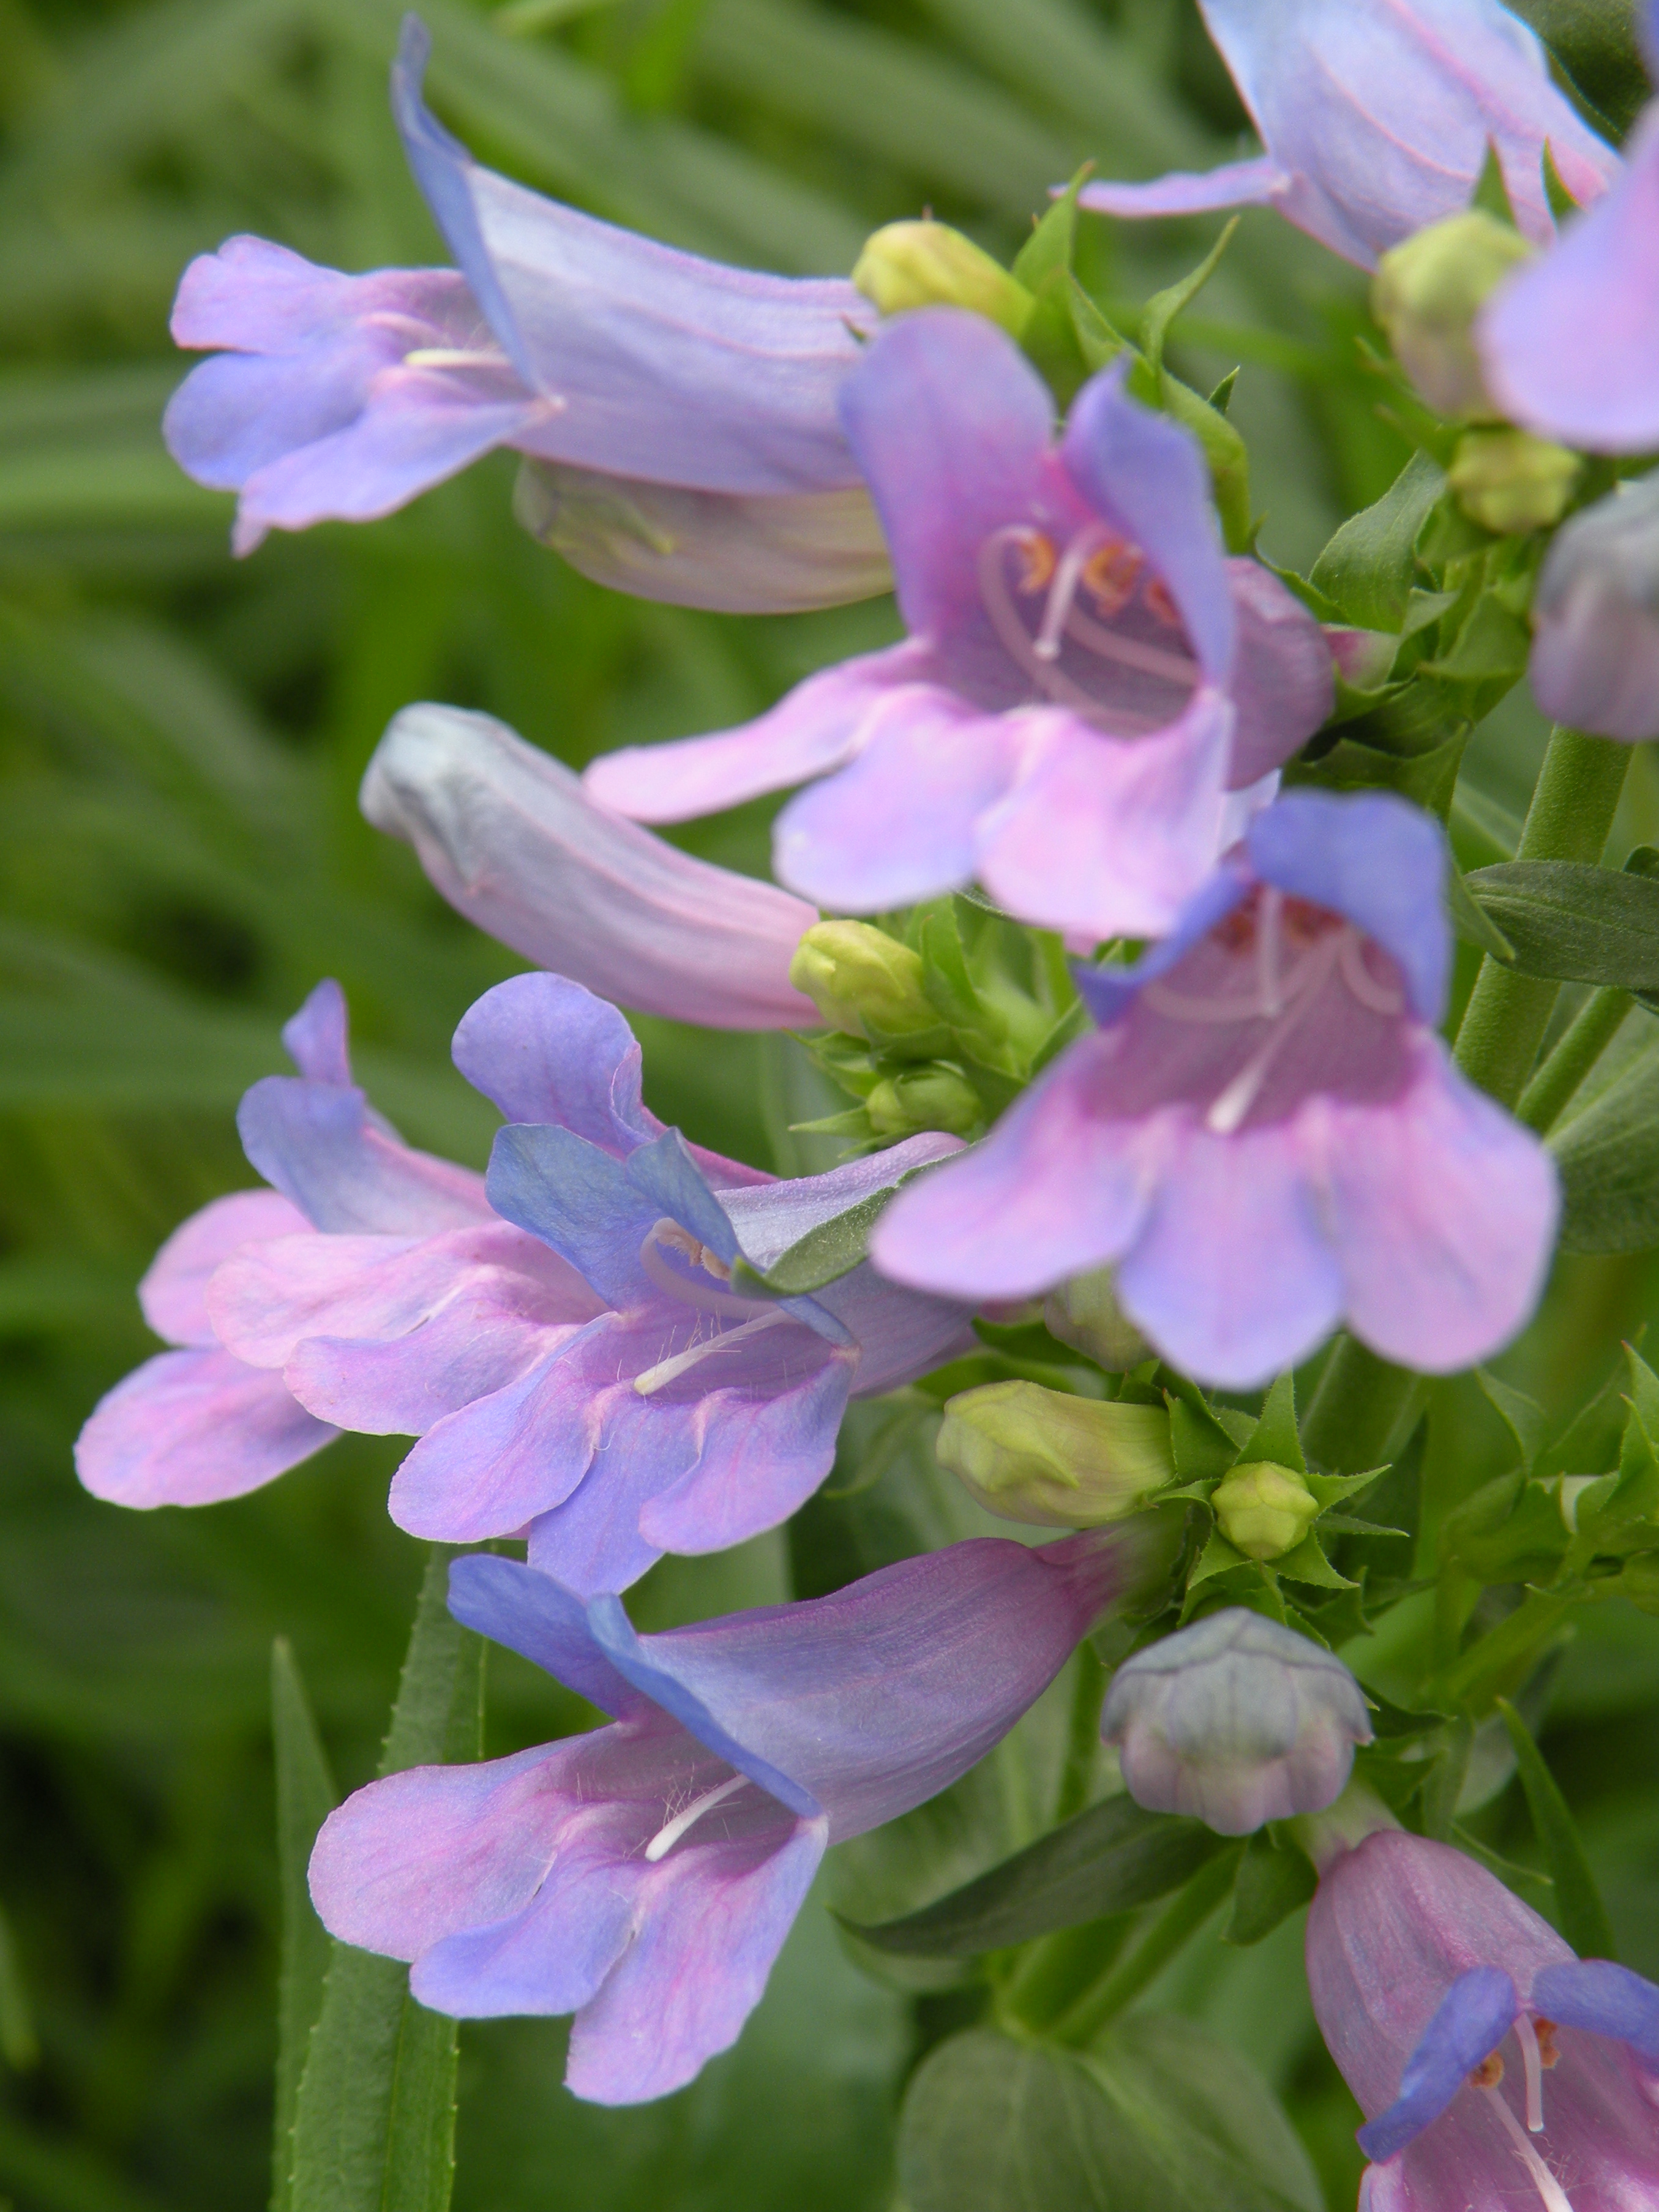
1494,2067
509,837
644,1876
1265,1135
597,351
583,1364
1087,679
1376,116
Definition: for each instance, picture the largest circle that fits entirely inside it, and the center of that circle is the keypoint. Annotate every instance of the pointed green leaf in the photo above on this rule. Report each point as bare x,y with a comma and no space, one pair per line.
826,1253
1274,1437
1222,397
1053,239
1217,1557
1203,1449
1368,566
1271,1882
1471,920
1110,1858
1308,1563
1562,203
1583,1917
374,2129
1569,922
1523,1416
1163,306
1491,194
305,1795
1332,1489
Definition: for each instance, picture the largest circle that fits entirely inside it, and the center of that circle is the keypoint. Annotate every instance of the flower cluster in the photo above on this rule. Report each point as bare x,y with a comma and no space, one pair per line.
1179,974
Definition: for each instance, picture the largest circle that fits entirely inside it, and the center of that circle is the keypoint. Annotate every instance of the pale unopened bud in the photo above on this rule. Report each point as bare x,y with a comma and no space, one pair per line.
1263,1510
928,265
864,982
1426,294
1084,1313
1040,1457
1595,656
1234,1722
1508,480
925,1098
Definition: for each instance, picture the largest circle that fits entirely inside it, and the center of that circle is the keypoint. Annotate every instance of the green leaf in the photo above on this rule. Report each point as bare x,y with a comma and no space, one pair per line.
1272,1881
1274,1437
1308,1563
1582,1916
1368,566
1202,1447
374,2128
1163,306
305,1795
1053,239
1523,1416
1159,2117
1608,1157
1471,920
1575,924
1110,1859
826,1253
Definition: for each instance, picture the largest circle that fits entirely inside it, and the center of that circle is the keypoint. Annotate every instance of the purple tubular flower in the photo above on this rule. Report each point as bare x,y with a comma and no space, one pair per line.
1235,1720
1570,343
1264,1134
1595,659
1494,2068
1376,116
199,1424
1086,678
644,1876
559,335
509,837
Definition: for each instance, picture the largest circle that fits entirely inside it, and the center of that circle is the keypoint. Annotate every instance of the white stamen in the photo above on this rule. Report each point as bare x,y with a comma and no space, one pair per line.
1533,2066
666,1838
1381,998
665,1370
1063,590
1046,675
1269,946
1153,660
1229,1110
708,1296
453,357
1556,2198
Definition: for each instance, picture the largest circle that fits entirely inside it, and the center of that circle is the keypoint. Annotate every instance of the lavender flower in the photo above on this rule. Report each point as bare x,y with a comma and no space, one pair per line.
1595,658
572,341
1376,116
583,1362
1236,1721
1265,1134
510,838
1086,679
1494,2067
645,1875
200,1424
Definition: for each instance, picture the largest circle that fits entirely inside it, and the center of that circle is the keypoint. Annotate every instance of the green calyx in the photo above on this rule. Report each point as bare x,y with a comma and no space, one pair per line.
1045,1457
1264,1511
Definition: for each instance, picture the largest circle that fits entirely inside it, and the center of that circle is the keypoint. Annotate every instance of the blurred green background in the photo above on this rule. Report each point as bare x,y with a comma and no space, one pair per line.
181,737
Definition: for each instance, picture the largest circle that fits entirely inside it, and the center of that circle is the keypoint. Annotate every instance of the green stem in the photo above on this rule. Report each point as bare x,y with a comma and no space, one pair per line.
1076,1777
1123,1982
1572,812
1592,1029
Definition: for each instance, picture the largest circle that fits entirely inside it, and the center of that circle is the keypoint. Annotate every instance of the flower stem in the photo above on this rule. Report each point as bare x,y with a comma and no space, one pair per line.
1124,1981
1083,1741
1592,1029
1572,812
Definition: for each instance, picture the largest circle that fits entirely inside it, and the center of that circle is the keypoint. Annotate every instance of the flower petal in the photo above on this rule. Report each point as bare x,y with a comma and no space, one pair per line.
1470,2020
508,837
1255,183
322,1145
542,1048
1605,1998
189,1428
1283,684
174,1293
539,1618
763,1454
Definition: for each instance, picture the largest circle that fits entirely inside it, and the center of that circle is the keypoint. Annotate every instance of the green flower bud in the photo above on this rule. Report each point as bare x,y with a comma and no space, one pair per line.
1264,1511
1508,480
1426,294
1032,1454
928,1098
928,265
1084,1313
864,982
1639,1583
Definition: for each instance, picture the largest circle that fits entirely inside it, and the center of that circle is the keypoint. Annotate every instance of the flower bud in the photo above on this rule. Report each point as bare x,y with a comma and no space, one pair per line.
1595,655
1508,480
928,265
1426,294
1084,1313
1032,1454
926,1098
1263,1510
864,982
1234,1721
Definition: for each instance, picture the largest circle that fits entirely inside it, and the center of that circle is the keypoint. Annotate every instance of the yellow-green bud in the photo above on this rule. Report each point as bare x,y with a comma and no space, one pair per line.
928,265
1263,1510
928,1098
1426,294
1084,1313
864,982
1032,1454
1508,480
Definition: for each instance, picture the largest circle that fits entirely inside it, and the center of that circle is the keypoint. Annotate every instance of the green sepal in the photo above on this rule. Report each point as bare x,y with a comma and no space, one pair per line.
1561,201
1308,1563
1273,1880
1582,1916
1491,194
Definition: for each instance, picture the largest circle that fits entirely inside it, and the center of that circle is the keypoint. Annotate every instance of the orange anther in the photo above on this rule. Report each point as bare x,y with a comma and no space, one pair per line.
1110,573
1548,2051
1159,602
1488,2074
1037,559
